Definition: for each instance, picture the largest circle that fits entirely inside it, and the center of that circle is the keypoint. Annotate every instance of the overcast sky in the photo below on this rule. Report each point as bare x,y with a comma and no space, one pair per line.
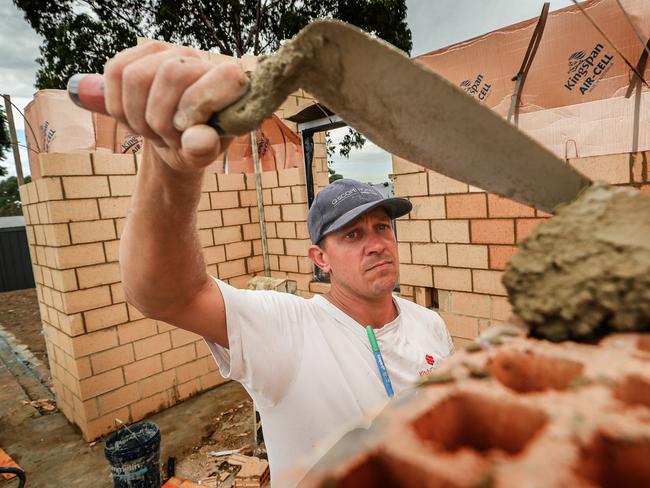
433,23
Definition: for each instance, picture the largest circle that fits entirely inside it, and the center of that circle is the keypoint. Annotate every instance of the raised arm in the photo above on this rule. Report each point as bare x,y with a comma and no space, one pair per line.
166,94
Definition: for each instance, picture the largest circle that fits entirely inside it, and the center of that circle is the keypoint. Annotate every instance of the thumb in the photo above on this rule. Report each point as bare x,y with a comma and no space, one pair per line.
200,146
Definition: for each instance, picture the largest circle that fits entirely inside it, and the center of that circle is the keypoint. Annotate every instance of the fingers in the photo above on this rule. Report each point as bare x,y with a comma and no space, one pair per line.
113,75
221,86
201,145
171,80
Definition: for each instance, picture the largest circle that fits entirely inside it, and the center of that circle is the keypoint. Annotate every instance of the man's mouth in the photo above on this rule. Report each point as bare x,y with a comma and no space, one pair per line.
379,265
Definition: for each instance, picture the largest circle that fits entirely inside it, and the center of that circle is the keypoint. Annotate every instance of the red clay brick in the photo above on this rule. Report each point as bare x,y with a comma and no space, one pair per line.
488,282
467,256
143,368
500,231
113,358
499,256
504,207
525,227
466,206
151,345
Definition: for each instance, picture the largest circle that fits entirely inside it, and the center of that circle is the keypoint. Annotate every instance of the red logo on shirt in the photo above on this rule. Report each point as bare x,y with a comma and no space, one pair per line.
429,359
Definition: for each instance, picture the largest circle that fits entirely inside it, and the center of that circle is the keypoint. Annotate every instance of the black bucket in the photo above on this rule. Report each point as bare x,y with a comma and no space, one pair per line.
134,455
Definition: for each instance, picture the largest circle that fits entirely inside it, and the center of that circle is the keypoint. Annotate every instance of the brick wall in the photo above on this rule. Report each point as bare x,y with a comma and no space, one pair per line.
458,238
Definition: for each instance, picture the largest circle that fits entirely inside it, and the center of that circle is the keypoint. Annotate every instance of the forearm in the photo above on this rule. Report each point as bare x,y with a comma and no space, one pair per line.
160,254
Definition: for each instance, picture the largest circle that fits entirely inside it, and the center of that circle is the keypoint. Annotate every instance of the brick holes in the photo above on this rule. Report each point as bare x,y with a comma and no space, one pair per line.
526,373
380,469
481,423
634,390
615,463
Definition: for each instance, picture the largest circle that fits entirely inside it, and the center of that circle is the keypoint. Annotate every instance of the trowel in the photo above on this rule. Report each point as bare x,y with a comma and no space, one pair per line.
398,103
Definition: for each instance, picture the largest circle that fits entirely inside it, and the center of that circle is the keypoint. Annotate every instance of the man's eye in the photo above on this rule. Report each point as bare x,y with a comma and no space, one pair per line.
384,226
351,235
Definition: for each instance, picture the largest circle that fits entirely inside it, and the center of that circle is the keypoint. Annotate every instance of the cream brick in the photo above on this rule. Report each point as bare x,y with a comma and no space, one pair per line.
471,304
233,181
122,397
114,207
238,250
452,278
111,250
418,275
204,201
142,369
450,231
402,166
297,247
113,164
435,254
122,185
299,194
272,213
214,254
612,168
186,390
79,255
235,216
281,195
288,263
225,235
62,211
137,330
82,300
224,199
488,282
461,325
205,237
152,345
149,405
113,358
85,186
440,184
413,231
57,234
157,383
101,383
251,231
100,318
49,189
178,356
181,337
192,370
208,219
232,268
411,185
61,164
247,198
100,274
294,212
467,256
63,280
269,179
427,208
93,342
291,177
209,182
93,231
286,230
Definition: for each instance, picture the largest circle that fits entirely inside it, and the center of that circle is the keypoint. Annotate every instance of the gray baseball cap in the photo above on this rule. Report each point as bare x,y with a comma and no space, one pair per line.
345,200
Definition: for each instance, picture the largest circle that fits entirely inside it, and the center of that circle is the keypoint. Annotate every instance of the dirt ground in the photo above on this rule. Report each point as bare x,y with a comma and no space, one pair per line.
19,314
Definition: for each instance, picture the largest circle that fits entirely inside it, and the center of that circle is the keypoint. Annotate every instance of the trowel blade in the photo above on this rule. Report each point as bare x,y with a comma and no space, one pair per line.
410,111
416,114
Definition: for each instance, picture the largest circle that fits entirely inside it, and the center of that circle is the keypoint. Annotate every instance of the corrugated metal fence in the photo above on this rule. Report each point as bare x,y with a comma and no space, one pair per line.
15,263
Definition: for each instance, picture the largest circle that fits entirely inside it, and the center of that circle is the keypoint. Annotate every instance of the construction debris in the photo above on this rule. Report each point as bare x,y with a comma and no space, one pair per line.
237,471
7,462
43,405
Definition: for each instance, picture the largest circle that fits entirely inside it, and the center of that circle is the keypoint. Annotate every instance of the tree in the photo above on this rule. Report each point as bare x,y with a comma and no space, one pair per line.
10,197
80,35
5,141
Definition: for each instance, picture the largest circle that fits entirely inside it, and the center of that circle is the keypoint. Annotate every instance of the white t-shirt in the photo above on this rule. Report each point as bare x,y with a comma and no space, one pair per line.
309,367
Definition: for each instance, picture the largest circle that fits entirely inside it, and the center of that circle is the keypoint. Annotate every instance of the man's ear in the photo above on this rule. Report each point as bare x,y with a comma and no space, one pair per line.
318,257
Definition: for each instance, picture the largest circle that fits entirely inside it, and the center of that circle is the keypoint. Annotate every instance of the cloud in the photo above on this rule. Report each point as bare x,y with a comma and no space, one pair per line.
18,52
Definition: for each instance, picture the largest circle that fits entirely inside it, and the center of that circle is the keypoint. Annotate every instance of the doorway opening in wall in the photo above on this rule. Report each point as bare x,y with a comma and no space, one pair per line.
349,155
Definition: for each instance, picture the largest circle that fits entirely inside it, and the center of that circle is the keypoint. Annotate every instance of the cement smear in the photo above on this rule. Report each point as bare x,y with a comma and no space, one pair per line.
586,272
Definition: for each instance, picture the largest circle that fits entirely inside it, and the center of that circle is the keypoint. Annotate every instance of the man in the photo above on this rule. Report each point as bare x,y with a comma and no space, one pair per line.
308,364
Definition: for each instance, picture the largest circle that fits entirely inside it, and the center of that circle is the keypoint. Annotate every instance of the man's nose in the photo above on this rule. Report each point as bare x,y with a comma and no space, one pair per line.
374,243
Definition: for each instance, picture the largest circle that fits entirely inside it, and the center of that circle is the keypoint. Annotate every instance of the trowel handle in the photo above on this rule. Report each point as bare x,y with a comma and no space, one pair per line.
87,91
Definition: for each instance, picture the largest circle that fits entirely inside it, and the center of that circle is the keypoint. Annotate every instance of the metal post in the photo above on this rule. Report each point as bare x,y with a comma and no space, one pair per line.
260,203
14,139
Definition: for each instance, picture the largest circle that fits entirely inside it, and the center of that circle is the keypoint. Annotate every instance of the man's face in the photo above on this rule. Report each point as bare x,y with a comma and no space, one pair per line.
362,257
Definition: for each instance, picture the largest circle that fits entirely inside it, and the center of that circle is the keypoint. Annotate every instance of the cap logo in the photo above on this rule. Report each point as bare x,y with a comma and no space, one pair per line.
351,192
